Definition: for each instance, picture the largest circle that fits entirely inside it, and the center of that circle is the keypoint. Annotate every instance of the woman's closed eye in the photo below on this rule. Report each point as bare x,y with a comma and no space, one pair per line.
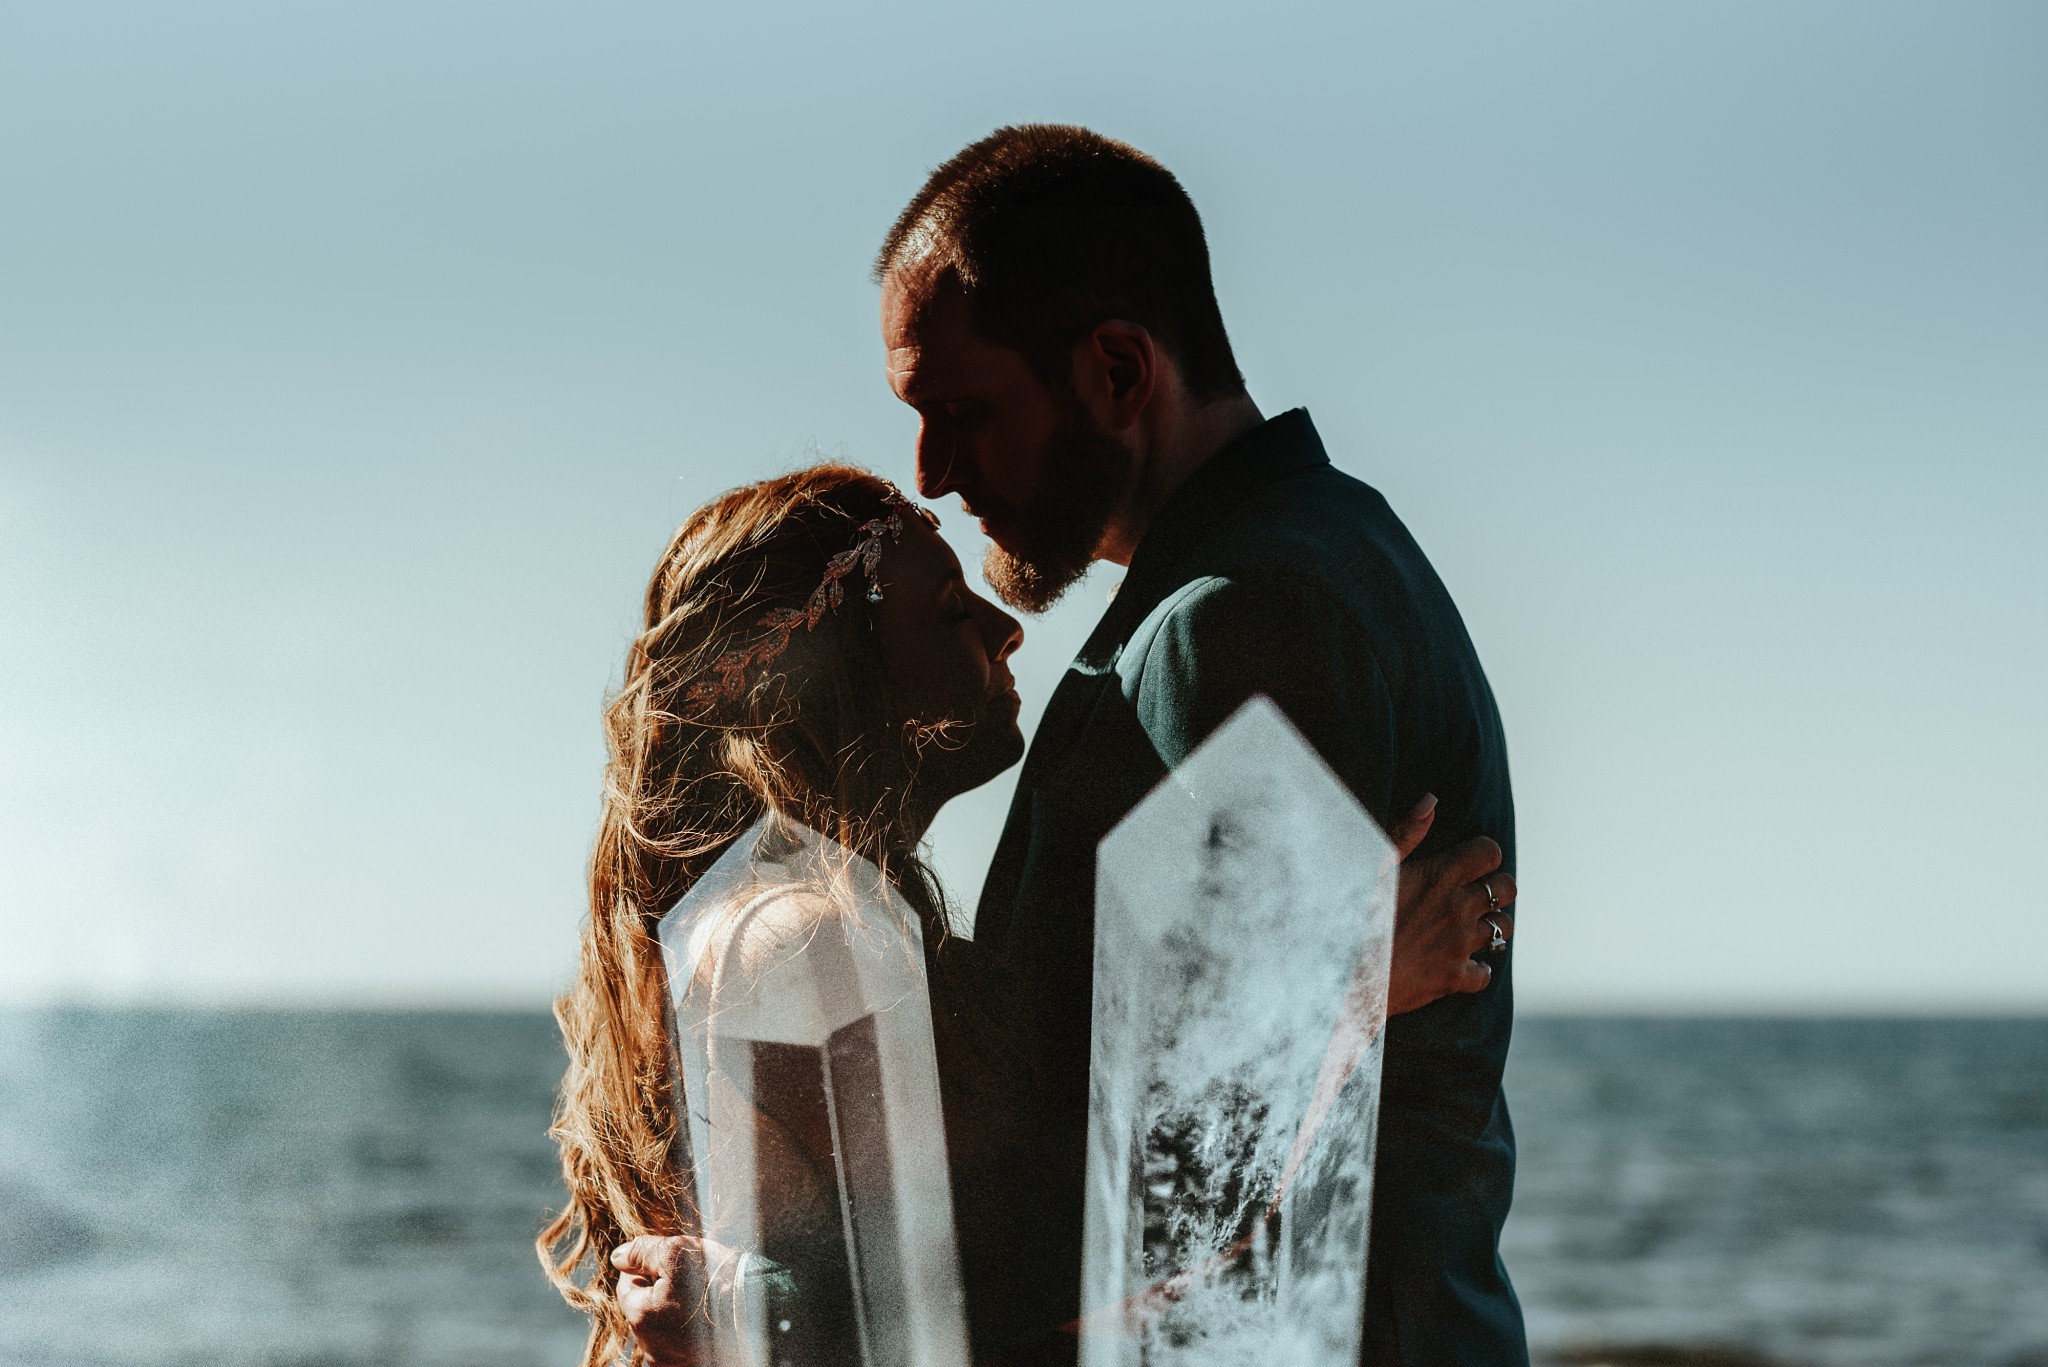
954,601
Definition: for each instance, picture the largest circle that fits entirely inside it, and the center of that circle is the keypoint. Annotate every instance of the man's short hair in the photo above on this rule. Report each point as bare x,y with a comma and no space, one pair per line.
1052,229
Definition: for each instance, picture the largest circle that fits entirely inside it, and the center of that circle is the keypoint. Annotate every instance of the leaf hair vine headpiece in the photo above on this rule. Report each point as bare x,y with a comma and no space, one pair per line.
864,555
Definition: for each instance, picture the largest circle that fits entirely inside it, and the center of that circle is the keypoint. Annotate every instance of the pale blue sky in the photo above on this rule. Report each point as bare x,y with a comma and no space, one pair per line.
355,360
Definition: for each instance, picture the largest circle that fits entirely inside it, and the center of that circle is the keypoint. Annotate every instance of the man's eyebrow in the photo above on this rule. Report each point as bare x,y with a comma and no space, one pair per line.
905,380
912,392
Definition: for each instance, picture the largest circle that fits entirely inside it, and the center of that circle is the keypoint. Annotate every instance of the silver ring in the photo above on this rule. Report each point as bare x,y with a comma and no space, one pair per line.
1499,941
1492,902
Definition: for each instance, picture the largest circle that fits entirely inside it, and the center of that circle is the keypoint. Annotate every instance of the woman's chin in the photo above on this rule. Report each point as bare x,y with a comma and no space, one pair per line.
997,746
1001,758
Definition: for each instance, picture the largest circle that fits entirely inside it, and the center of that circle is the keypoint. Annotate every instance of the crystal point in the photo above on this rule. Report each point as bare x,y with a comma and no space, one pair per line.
1244,926
802,1025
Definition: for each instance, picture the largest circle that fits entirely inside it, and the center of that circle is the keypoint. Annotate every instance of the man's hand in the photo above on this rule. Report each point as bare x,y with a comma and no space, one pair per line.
667,1287
1449,907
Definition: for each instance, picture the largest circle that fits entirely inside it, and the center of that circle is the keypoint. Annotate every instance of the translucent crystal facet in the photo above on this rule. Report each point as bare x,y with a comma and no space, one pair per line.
1244,923
802,1023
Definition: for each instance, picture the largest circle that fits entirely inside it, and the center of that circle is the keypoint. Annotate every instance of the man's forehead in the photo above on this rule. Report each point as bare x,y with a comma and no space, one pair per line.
920,277
924,326
923,301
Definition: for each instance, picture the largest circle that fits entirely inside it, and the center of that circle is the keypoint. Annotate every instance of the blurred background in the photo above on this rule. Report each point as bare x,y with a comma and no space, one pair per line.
357,360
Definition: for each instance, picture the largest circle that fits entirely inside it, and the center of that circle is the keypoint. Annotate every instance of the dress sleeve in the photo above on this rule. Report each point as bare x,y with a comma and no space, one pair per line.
796,1278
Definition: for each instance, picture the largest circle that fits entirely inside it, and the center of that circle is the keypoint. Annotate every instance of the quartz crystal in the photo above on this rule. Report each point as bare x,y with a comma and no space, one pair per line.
802,1025
1244,924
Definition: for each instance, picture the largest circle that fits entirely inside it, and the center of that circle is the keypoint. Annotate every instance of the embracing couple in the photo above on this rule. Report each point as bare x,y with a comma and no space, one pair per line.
811,649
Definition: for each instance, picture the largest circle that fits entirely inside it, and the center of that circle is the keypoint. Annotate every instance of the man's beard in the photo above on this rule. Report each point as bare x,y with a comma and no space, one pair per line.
1085,473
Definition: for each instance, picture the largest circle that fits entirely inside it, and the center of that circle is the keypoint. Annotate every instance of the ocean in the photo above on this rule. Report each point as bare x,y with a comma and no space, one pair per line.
342,1189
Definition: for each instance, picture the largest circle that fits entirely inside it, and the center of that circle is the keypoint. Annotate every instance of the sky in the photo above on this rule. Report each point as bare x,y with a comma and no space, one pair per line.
356,361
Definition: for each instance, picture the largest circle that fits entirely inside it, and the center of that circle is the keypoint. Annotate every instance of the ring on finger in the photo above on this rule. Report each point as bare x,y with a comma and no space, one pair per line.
1492,902
1499,941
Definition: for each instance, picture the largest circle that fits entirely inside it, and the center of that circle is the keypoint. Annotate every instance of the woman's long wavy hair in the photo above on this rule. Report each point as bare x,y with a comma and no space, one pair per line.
808,736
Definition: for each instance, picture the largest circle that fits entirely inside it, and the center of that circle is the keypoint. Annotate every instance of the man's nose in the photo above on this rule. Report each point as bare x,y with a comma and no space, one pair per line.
936,455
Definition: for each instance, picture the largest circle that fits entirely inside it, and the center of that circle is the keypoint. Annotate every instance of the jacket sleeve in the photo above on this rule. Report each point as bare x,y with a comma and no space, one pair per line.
1220,641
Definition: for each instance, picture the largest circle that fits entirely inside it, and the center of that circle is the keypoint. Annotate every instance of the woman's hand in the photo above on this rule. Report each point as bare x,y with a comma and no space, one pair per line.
667,1284
1451,904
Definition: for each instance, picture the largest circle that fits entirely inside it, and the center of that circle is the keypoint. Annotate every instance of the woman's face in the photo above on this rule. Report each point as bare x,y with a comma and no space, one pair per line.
944,649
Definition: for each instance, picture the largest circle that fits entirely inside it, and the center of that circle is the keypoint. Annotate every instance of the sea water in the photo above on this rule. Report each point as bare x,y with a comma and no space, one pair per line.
348,1189
1852,1192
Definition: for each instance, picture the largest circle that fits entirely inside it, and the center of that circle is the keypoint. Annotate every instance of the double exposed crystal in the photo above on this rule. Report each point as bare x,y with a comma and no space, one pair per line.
802,1024
1243,930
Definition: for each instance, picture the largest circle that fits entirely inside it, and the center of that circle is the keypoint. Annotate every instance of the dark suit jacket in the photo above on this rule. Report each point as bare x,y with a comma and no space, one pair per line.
1272,572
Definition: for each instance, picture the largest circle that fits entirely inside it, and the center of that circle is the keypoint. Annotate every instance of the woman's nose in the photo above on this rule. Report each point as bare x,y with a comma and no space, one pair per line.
1005,632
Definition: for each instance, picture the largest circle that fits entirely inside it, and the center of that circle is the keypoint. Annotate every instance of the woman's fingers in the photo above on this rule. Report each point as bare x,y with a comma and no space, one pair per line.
1479,936
1409,831
1473,977
644,1257
1453,906
1471,860
667,1283
651,1260
1488,900
661,1292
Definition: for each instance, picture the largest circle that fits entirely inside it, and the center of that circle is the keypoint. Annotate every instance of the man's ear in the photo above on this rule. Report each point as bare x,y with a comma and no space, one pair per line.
1116,372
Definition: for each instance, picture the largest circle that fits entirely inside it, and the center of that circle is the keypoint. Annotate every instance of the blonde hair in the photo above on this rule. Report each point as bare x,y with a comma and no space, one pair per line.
809,736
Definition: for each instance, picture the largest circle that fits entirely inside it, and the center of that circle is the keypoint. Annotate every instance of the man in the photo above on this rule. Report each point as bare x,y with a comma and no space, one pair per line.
1048,311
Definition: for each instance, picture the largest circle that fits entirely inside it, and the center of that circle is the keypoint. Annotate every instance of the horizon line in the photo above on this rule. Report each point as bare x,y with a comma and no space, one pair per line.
503,1003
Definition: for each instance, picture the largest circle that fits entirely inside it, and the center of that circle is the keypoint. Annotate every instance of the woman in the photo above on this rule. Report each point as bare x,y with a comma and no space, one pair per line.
811,649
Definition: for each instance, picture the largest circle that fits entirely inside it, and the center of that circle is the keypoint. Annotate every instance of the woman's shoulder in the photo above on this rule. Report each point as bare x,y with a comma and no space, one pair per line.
751,936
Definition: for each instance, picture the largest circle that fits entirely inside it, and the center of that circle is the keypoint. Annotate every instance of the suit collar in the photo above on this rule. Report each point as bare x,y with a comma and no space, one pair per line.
1277,448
